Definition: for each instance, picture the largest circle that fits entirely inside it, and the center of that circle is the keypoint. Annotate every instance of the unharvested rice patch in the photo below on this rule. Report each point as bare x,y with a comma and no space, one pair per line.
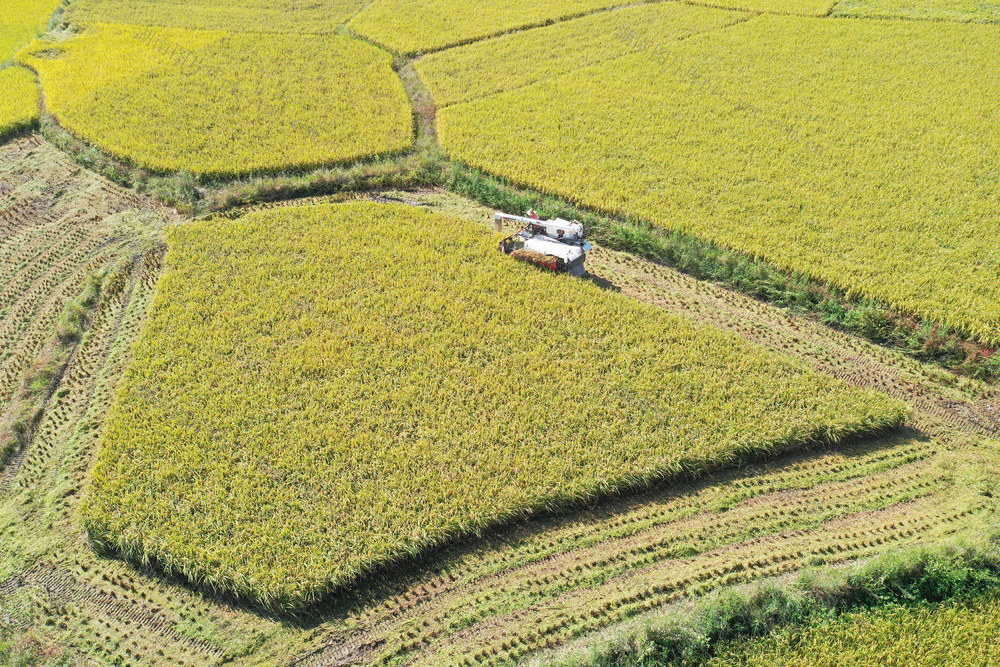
330,410
216,103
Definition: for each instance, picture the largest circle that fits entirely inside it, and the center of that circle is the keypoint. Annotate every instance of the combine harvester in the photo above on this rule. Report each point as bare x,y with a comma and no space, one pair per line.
557,245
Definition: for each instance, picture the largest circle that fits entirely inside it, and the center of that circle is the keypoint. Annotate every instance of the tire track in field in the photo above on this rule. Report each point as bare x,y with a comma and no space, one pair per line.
62,588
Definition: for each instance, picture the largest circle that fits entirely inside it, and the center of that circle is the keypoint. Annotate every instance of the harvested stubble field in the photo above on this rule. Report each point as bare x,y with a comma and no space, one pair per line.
59,226
541,581
861,153
423,407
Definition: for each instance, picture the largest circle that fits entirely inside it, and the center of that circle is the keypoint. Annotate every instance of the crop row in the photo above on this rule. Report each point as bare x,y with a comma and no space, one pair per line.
643,590
649,589
471,582
585,569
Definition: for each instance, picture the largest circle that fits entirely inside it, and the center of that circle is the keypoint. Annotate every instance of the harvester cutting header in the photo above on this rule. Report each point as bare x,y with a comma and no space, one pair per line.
557,245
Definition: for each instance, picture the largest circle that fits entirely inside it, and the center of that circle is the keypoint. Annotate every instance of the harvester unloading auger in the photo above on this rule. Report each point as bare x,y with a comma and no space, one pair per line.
557,245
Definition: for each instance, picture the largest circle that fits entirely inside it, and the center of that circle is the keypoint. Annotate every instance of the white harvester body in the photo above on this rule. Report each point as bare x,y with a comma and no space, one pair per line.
555,244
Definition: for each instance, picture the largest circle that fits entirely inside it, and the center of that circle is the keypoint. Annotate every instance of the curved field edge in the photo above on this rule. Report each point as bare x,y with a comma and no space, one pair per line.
796,168
20,22
790,622
421,377
210,102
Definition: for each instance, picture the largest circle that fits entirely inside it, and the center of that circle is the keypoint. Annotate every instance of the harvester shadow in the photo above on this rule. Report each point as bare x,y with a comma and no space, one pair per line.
412,572
603,283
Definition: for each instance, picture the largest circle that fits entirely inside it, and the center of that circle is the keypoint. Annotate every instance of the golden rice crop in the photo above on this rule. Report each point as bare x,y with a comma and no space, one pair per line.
935,10
517,59
20,22
418,26
212,102
797,7
928,635
321,16
19,102
860,153
323,389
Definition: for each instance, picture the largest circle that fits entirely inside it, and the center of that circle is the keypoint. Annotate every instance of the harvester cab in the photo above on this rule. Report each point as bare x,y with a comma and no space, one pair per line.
557,245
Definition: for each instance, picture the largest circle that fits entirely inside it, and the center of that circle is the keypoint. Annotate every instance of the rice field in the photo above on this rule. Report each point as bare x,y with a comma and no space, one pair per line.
419,26
286,16
510,593
929,10
540,582
791,7
395,404
517,59
20,22
216,103
19,104
962,633
315,406
861,153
